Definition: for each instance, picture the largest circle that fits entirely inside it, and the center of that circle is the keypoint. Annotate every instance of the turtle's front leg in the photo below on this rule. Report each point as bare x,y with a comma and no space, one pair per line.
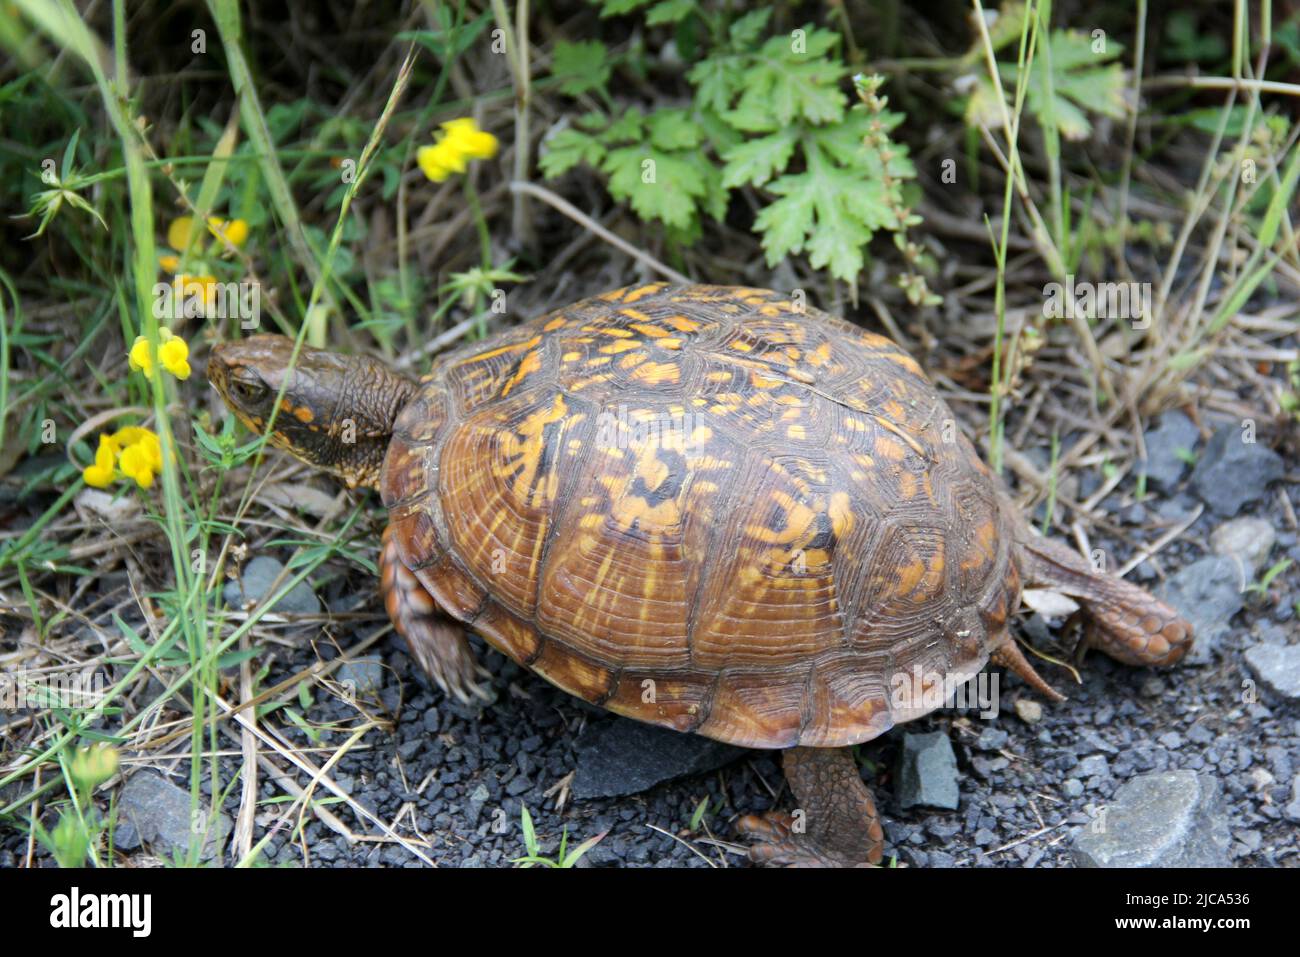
838,827
435,640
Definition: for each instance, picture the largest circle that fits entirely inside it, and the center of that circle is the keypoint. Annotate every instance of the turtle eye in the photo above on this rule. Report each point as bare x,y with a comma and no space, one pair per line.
248,392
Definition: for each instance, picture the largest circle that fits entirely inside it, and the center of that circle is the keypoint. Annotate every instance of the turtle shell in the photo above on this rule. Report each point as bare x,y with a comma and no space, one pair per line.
709,508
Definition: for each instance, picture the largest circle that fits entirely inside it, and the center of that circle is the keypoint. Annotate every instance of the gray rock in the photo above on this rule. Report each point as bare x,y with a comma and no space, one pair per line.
1292,811
1094,765
1073,787
153,811
1232,473
927,772
1028,710
1250,539
1277,667
1207,593
620,756
255,583
362,675
1170,819
1167,446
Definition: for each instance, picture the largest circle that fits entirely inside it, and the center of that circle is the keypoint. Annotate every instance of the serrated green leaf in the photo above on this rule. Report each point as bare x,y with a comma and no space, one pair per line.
1082,81
628,127
658,185
580,67
758,160
566,149
673,129
615,8
830,211
746,30
782,86
717,80
669,11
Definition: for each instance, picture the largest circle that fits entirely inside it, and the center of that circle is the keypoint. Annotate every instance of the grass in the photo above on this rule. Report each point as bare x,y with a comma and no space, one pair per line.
380,260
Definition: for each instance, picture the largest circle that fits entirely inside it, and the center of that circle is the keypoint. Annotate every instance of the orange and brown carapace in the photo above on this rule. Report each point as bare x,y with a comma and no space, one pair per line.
707,508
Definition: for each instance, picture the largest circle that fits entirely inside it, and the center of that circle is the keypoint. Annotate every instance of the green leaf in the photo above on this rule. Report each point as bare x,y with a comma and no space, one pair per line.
628,127
530,835
717,80
659,185
746,30
1081,81
581,66
830,210
757,161
673,129
669,11
614,8
566,149
783,85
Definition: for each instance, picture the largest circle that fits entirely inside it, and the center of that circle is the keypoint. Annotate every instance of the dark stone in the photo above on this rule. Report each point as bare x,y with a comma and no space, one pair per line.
1207,593
255,583
619,756
1167,445
1277,667
157,813
1232,473
927,772
361,675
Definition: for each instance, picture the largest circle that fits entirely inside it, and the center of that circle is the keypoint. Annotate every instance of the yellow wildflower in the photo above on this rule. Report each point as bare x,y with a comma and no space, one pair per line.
469,139
134,463
181,231
132,450
146,440
93,765
460,140
174,355
235,232
178,233
201,288
173,351
100,475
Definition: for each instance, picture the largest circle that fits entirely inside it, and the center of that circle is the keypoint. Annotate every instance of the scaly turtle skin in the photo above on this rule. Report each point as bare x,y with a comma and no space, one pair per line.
702,507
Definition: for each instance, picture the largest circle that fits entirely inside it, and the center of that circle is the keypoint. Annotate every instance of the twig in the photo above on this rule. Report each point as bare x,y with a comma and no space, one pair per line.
585,221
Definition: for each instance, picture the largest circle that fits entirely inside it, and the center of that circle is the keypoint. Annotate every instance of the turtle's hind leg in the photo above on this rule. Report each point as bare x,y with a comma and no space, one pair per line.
1126,622
835,823
435,640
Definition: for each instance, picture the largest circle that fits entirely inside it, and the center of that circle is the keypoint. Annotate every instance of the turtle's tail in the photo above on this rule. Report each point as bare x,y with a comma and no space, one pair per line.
1127,622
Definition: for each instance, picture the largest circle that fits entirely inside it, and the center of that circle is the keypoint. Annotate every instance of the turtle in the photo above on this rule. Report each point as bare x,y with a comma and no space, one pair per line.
714,509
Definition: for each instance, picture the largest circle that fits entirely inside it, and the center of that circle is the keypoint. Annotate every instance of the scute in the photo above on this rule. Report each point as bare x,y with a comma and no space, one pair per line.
708,508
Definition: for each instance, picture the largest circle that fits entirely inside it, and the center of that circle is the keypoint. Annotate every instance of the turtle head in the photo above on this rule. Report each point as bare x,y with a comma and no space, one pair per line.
336,411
